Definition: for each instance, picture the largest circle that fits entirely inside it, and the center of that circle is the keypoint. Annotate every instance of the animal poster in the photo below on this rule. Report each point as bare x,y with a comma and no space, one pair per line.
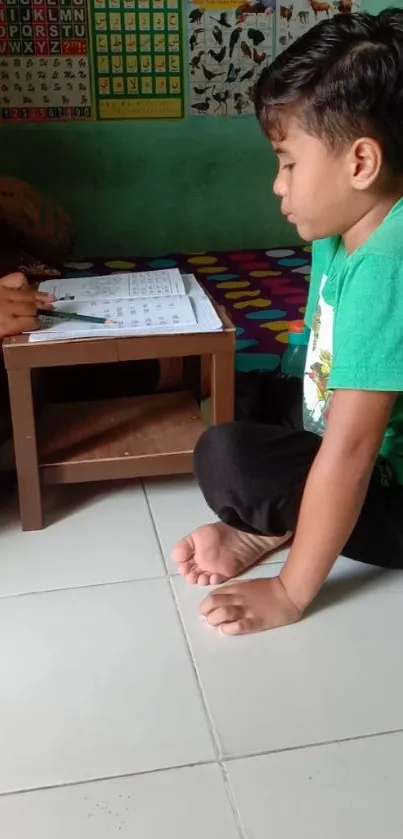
138,58
44,60
293,19
229,44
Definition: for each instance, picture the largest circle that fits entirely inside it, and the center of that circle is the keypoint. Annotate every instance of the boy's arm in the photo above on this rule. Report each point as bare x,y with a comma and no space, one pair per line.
336,489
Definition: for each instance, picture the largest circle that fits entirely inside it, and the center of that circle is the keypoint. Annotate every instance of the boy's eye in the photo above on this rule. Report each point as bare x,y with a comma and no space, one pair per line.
288,166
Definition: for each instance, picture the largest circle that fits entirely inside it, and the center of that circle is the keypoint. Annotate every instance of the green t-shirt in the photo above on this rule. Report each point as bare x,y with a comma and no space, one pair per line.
355,313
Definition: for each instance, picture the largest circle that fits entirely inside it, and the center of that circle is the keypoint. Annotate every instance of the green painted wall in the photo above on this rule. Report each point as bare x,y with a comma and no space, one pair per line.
150,188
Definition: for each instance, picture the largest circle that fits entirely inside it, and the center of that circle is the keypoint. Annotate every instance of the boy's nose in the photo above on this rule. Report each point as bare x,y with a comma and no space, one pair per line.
279,187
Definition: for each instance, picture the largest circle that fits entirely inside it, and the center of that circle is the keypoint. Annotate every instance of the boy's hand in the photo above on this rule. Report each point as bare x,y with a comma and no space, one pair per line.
19,305
253,606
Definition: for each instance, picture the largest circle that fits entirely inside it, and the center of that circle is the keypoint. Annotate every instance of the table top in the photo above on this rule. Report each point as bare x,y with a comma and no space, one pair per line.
19,353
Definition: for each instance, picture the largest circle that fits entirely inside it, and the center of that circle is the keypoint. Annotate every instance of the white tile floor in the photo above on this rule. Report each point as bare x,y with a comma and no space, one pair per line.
123,715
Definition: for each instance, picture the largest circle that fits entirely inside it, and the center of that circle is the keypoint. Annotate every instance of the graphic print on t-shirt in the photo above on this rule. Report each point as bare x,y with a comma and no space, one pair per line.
319,361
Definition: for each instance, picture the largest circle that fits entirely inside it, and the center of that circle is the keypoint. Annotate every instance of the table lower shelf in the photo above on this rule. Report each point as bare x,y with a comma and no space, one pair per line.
133,437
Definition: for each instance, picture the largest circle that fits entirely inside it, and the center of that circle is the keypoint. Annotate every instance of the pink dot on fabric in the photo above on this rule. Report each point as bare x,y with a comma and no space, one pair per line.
300,299
243,256
255,266
294,290
276,284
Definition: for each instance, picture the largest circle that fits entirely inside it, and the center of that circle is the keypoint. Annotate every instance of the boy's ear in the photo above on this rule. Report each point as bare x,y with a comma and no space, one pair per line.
366,160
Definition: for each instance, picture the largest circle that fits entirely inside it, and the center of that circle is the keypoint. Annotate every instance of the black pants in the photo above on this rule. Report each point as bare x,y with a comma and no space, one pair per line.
253,475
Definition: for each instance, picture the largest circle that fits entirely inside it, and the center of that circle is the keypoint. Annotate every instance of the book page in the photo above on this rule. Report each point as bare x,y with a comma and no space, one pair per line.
137,315
203,318
164,283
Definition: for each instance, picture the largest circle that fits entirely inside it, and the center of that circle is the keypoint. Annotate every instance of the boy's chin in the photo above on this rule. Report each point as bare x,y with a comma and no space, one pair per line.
312,232
305,231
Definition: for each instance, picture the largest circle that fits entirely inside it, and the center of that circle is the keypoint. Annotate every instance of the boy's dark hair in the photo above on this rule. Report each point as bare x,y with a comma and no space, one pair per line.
343,79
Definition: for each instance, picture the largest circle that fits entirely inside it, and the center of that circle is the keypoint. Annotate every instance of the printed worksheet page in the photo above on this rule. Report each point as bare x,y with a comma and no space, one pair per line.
164,283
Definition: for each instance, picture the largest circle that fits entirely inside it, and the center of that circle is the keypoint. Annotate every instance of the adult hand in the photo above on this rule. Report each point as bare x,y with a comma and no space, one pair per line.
19,305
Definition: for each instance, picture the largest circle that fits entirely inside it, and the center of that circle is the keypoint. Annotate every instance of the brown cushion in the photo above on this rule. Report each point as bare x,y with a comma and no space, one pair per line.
32,222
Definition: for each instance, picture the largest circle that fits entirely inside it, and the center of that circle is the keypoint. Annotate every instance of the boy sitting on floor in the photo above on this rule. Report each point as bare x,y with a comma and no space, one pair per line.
332,106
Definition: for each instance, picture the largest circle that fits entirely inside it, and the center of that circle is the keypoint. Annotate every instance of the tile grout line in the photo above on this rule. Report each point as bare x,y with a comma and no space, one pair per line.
221,762
232,801
155,528
100,584
99,779
166,574
209,719
388,732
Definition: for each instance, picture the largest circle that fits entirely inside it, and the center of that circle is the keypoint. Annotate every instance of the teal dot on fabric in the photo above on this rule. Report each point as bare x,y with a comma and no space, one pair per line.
267,314
162,263
240,330
222,278
246,362
245,343
293,263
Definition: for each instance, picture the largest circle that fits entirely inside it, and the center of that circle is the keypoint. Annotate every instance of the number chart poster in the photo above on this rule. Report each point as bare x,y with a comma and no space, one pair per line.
138,56
229,43
44,60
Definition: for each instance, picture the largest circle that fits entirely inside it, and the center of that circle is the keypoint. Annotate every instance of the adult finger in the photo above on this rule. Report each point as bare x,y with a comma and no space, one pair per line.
16,280
44,301
22,308
24,293
43,295
23,324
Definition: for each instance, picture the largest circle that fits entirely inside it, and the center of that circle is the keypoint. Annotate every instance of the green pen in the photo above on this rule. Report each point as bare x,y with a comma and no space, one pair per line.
56,313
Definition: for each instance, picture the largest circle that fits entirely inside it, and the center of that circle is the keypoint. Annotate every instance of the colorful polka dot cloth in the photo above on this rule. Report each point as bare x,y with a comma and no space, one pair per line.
262,292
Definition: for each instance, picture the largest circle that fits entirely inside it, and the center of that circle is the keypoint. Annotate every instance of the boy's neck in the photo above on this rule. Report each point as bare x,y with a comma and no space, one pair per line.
370,220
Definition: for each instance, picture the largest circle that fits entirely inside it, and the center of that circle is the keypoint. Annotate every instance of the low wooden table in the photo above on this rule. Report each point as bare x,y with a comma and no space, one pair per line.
119,438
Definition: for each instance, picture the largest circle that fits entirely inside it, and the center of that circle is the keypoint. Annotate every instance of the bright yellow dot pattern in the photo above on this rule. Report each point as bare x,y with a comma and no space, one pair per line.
259,303
282,337
238,295
275,325
79,266
261,274
213,269
229,284
120,265
203,260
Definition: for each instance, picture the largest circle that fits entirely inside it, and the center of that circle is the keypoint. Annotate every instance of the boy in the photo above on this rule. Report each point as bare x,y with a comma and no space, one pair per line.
332,106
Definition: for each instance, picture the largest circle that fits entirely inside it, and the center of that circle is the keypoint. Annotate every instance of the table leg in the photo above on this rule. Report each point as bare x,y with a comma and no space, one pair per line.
222,387
26,454
192,375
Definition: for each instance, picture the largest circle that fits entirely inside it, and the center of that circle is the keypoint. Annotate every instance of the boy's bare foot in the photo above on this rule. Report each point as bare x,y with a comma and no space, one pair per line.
242,608
214,553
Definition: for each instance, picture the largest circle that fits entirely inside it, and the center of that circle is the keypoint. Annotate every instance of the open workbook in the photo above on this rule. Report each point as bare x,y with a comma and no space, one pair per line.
148,303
